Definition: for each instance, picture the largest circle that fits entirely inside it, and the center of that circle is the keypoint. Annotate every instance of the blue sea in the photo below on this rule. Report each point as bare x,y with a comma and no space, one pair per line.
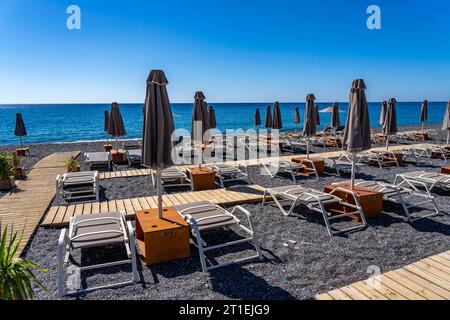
51,123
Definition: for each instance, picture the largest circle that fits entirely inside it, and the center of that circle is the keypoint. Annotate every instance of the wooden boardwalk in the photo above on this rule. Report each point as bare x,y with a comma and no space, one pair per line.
427,279
59,216
24,207
251,162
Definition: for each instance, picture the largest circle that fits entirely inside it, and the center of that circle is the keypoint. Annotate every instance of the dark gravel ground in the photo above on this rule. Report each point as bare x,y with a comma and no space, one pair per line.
300,259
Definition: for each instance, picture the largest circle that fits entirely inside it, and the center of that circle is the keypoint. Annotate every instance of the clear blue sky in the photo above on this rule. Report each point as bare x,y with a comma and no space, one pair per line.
236,51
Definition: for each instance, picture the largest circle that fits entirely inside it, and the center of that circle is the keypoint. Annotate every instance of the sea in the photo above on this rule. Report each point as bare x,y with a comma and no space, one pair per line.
61,123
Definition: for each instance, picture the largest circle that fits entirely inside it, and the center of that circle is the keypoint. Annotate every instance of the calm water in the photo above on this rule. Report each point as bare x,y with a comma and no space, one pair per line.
84,122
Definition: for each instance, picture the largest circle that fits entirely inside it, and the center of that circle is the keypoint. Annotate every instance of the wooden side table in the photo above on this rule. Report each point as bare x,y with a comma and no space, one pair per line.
445,170
117,156
21,152
162,240
319,163
202,179
108,147
371,202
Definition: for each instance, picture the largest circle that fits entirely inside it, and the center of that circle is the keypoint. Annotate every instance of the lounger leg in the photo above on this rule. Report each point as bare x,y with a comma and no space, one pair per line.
61,264
132,245
199,241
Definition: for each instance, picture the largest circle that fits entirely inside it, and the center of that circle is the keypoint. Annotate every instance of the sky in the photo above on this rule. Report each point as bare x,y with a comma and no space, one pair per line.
235,51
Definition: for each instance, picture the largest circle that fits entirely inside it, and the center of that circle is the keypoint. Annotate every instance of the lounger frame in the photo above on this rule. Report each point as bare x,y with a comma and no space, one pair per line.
182,181
65,252
87,189
203,246
428,184
318,205
288,167
236,175
96,164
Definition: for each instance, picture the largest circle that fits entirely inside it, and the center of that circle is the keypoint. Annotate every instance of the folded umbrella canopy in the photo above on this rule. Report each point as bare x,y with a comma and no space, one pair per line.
357,128
105,121
200,121
116,128
446,122
257,119
212,117
296,118
317,115
158,127
424,113
20,129
390,121
335,120
383,112
309,123
277,123
268,118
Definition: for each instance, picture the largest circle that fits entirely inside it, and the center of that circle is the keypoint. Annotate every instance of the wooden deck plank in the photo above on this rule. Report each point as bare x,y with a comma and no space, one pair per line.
369,291
338,295
136,205
425,283
406,282
354,293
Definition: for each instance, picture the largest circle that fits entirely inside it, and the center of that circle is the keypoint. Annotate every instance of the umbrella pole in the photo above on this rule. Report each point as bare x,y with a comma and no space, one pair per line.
423,126
21,144
353,169
307,148
159,186
117,144
448,136
387,143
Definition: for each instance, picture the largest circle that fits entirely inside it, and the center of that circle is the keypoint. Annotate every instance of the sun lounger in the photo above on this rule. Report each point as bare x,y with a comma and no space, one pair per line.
226,173
134,156
408,198
172,177
78,185
428,180
317,201
339,165
294,169
98,230
417,153
295,145
206,216
379,158
97,159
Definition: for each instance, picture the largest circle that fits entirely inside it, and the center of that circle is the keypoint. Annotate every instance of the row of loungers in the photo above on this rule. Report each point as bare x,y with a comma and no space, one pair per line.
104,229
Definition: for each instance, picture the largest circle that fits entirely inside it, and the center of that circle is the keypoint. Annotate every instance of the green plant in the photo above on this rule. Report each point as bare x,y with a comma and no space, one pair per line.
72,165
16,159
16,274
5,165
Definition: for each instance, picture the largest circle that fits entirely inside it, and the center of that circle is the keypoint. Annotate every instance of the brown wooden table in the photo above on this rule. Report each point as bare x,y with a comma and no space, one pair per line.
108,147
117,156
319,163
162,240
21,152
203,179
445,170
371,202
422,135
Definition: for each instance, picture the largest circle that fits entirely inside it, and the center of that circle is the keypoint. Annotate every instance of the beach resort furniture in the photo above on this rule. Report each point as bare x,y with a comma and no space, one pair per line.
427,180
171,177
98,159
381,158
445,170
227,173
317,201
202,178
339,165
417,153
294,169
205,216
408,198
294,144
99,230
134,156
78,185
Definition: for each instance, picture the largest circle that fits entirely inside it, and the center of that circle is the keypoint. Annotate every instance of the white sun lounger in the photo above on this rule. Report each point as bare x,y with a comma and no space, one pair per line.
404,196
172,177
280,166
380,158
226,173
98,159
206,216
428,180
97,230
317,201
339,165
78,185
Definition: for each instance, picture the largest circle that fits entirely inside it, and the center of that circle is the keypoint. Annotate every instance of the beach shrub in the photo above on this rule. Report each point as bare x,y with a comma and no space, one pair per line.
72,165
16,274
16,160
5,165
